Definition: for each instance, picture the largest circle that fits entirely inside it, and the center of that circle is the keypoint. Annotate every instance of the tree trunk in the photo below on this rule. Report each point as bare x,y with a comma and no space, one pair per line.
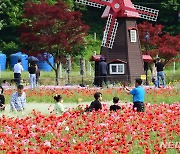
57,73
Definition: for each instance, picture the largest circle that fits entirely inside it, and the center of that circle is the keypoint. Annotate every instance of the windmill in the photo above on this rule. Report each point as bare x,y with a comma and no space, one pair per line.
121,40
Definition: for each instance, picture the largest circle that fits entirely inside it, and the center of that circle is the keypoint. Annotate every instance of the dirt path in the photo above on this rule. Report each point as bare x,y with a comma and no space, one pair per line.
45,108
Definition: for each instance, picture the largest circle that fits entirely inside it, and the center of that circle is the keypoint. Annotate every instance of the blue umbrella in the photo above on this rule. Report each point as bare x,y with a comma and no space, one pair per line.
32,58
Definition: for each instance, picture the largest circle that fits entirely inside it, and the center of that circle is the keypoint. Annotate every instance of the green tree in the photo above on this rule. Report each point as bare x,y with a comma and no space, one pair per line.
168,13
10,19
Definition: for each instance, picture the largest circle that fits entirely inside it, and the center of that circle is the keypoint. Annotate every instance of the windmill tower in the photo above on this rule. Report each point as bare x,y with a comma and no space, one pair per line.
121,40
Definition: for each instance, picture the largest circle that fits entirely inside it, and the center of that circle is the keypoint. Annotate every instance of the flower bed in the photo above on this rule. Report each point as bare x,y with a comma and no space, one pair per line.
100,132
75,94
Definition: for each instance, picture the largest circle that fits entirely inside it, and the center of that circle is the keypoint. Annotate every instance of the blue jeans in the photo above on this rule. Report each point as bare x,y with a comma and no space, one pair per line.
33,80
161,75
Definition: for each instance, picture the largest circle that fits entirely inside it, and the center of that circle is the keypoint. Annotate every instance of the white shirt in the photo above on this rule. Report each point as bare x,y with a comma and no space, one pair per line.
18,68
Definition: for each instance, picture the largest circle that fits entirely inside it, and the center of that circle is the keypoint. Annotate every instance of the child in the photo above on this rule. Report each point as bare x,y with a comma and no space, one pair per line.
115,107
5,83
96,104
12,84
58,108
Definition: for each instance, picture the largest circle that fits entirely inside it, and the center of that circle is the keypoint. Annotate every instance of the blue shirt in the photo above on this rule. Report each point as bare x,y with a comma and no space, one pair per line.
138,94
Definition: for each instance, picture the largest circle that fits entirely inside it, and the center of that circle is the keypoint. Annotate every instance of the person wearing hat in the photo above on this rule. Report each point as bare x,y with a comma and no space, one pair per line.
103,71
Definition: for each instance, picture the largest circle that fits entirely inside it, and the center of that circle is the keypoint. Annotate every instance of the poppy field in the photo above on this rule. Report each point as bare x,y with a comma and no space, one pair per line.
155,131
98,132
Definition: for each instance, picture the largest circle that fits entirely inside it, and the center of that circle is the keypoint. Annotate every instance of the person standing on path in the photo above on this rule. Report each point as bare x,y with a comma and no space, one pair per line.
160,72
103,72
18,68
37,75
32,72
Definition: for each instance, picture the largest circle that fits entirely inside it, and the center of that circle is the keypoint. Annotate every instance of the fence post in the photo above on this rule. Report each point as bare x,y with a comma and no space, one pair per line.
89,68
60,70
95,36
174,67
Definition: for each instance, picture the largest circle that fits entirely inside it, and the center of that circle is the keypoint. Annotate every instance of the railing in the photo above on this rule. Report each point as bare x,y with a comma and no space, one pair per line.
89,80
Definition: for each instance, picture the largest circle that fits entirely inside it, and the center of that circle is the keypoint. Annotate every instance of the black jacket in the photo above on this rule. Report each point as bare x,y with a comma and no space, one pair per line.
102,68
2,101
114,107
96,105
160,66
32,70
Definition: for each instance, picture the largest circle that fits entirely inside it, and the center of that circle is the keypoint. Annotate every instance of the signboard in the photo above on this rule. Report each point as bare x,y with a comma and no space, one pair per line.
143,77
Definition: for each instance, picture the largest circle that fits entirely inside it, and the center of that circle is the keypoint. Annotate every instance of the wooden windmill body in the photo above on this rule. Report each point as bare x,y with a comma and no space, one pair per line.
121,40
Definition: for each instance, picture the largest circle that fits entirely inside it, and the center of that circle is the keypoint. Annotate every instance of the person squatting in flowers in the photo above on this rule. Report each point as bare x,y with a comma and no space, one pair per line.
115,107
96,104
58,108
18,99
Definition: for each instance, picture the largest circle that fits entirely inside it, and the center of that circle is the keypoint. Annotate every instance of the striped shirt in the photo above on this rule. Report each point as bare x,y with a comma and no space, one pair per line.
18,102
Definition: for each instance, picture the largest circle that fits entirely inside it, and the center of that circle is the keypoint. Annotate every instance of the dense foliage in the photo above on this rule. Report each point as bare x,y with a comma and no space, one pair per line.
11,18
159,43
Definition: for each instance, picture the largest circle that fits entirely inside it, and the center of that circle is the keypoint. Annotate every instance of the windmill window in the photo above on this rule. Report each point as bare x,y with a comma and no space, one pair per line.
133,35
116,68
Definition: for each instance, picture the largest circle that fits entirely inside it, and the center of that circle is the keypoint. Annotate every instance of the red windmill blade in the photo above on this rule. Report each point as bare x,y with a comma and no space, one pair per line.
119,8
